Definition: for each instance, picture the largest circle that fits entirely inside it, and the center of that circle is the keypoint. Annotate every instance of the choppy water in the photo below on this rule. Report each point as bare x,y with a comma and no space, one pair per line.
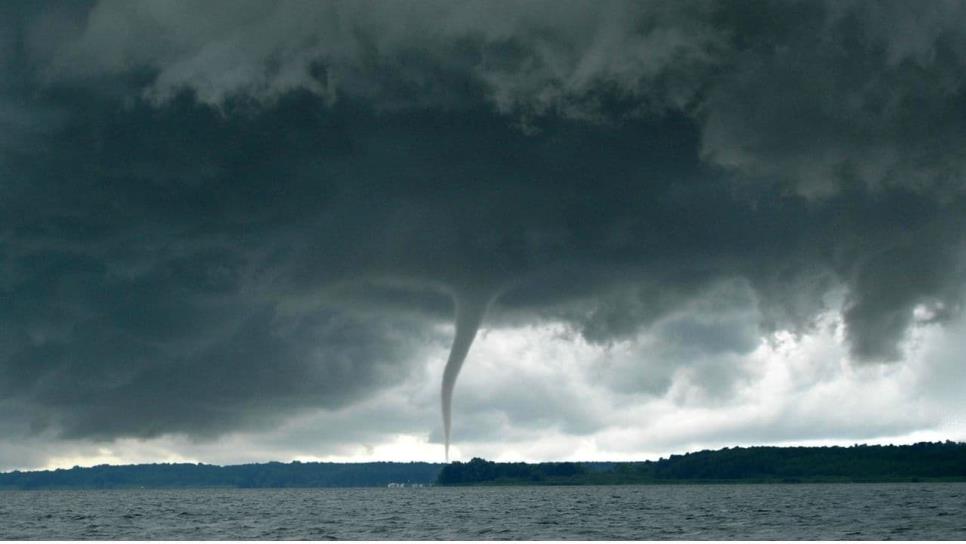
829,511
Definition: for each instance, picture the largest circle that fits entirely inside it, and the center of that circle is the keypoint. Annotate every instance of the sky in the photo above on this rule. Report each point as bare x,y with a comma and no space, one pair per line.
239,231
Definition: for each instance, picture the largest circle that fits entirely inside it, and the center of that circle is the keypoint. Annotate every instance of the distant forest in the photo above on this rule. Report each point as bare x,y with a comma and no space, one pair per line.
919,462
182,475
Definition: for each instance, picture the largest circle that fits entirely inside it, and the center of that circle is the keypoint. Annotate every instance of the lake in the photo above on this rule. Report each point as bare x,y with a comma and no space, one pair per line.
909,511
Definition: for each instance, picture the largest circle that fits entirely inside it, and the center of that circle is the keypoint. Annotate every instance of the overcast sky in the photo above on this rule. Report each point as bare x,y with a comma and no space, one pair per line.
234,231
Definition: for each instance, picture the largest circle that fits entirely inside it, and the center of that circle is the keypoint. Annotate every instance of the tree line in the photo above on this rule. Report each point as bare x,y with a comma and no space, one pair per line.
180,475
860,463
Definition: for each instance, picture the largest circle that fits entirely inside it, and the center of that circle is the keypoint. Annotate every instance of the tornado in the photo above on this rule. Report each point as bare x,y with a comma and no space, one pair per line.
470,308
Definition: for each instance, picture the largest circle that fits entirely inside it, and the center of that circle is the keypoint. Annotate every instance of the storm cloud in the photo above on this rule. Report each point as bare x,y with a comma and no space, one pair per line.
217,216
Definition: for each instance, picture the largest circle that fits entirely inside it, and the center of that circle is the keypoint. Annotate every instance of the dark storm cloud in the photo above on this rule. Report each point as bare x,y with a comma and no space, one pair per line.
216,215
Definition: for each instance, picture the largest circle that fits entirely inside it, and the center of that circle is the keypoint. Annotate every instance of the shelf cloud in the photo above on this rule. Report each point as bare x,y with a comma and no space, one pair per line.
216,217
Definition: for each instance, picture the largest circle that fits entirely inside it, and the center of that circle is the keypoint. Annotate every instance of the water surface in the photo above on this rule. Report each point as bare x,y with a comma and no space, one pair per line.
820,511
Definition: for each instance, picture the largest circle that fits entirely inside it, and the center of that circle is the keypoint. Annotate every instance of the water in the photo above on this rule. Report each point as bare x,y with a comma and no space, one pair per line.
829,511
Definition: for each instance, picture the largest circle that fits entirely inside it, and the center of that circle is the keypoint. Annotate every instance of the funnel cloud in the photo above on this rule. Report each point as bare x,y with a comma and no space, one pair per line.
470,309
